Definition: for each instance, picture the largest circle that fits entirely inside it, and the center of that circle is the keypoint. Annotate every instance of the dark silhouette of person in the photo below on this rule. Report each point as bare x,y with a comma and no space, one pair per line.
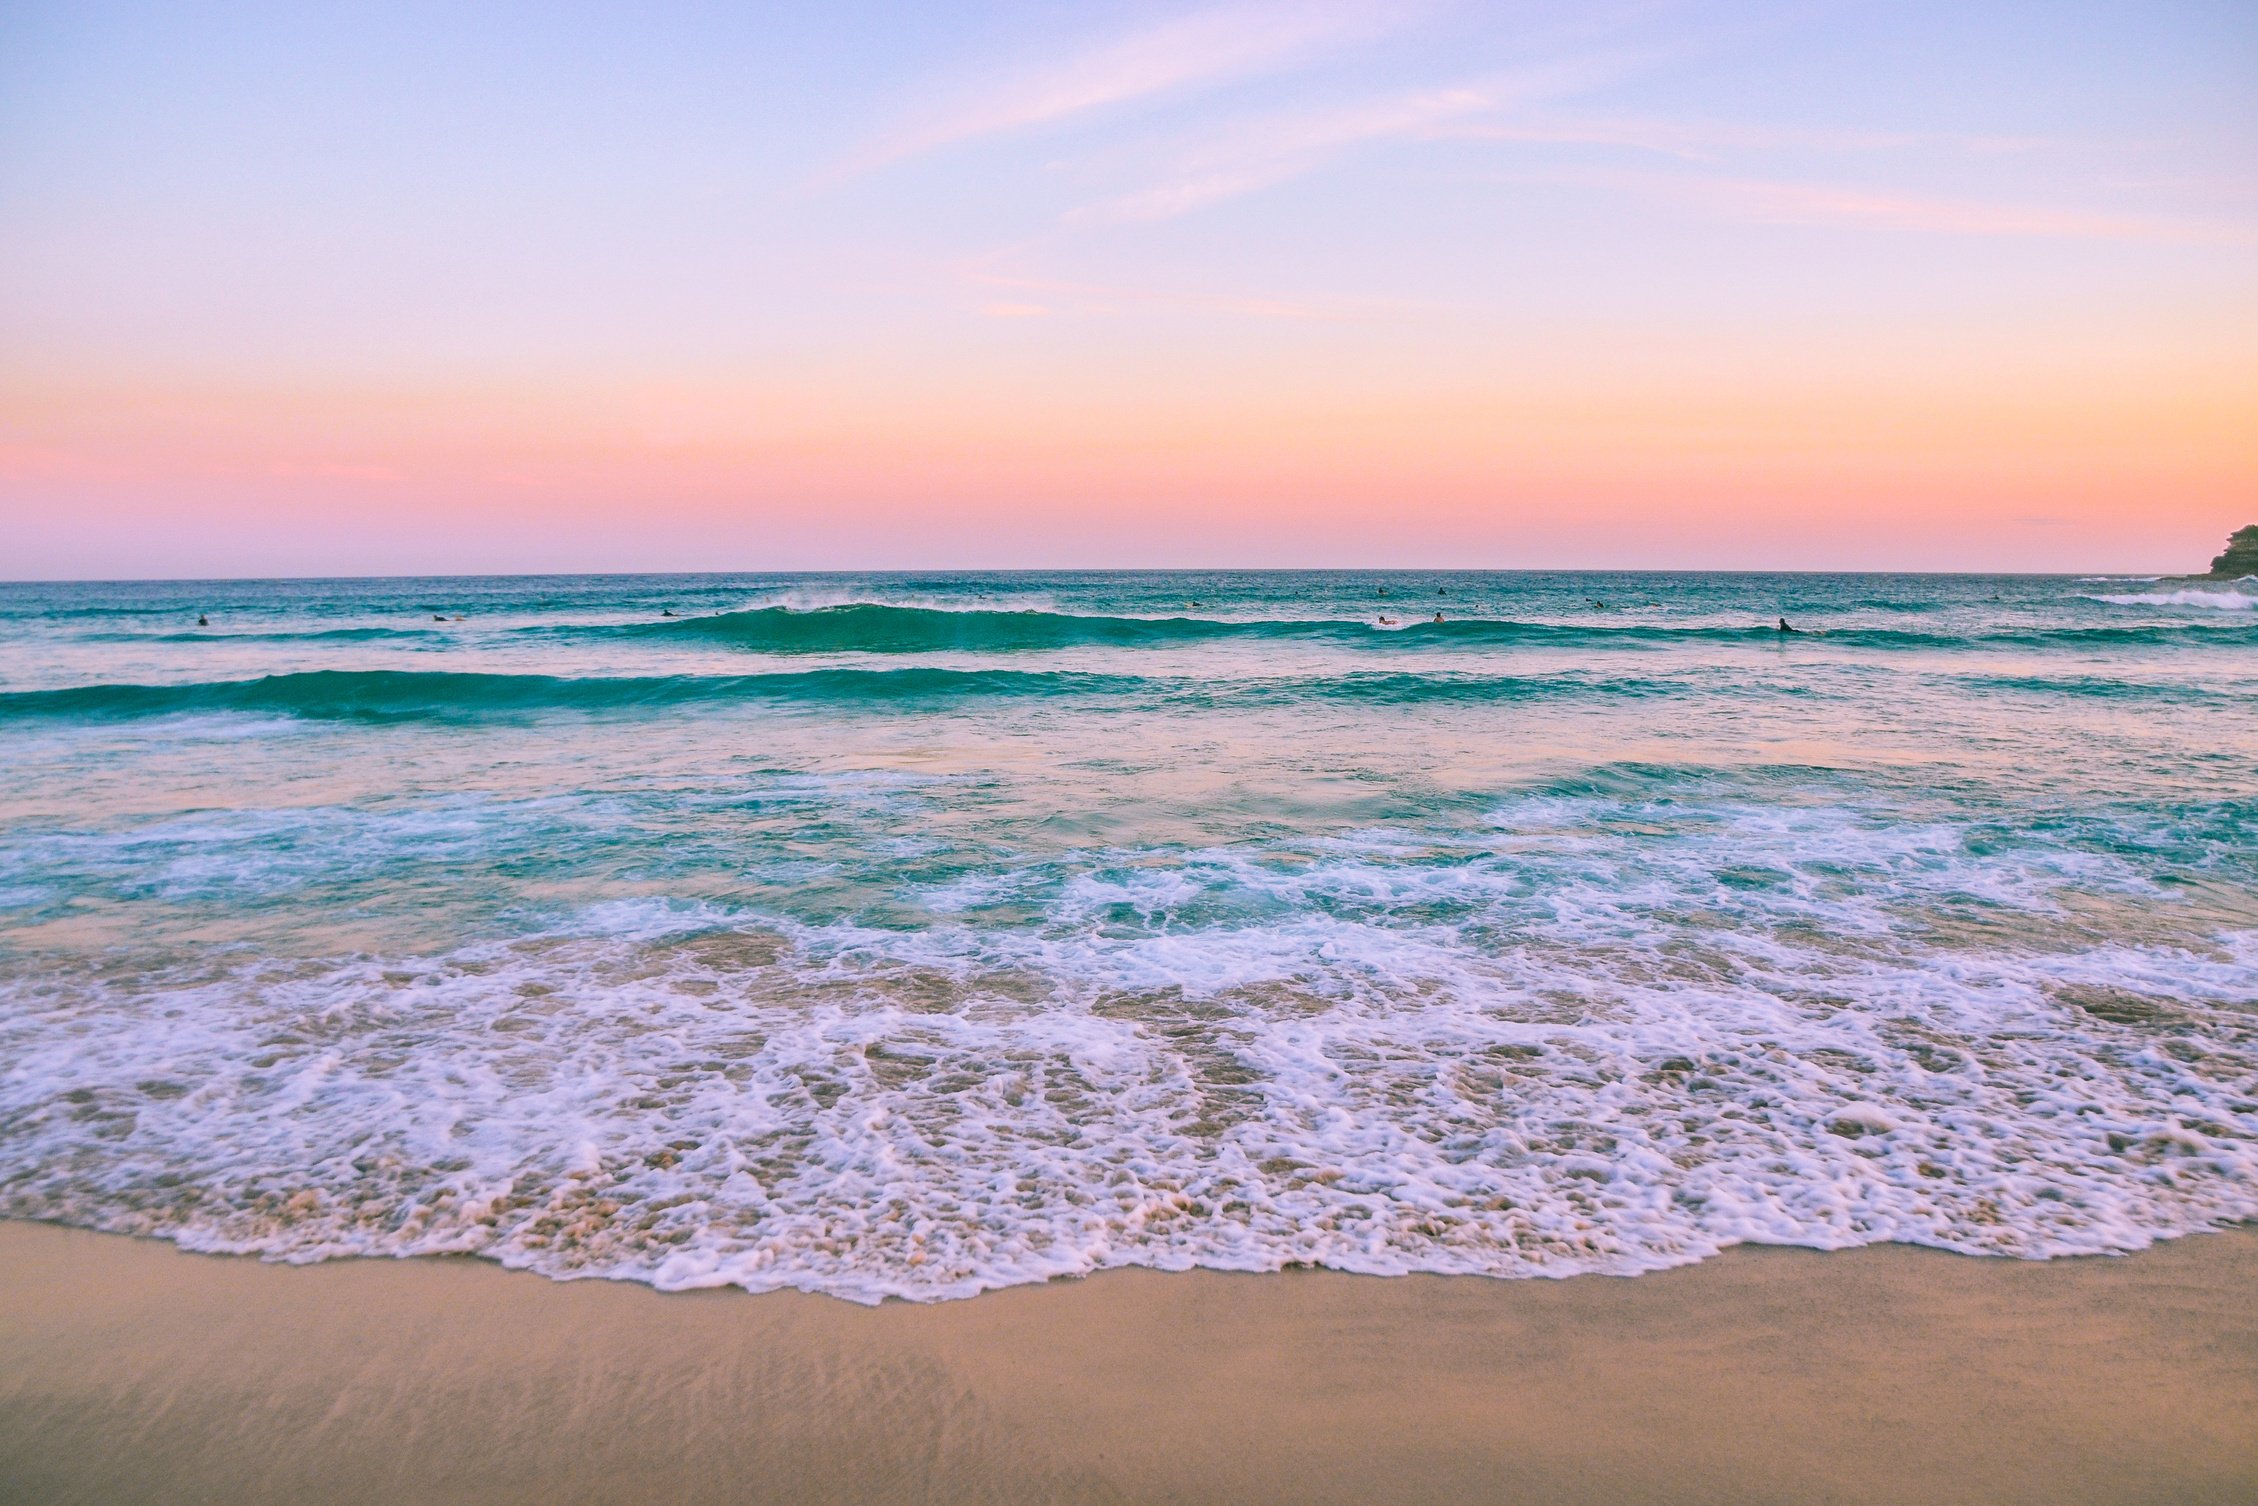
1786,629
201,621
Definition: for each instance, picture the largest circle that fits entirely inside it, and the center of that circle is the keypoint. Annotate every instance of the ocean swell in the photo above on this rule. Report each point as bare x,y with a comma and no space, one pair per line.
876,627
389,695
384,694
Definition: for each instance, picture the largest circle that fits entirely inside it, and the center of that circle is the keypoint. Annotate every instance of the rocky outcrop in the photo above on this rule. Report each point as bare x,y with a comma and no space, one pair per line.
2241,557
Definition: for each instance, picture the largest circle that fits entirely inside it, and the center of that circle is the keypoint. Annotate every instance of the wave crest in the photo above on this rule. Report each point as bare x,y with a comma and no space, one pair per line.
2219,601
878,627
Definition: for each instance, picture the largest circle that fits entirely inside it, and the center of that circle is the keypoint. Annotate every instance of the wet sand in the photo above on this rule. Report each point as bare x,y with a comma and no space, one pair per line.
132,1372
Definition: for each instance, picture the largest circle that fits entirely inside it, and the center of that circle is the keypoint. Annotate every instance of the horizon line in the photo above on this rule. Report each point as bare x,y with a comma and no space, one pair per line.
240,580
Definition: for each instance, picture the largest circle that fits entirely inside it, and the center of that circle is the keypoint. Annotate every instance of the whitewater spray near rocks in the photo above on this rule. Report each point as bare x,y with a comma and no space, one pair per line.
914,936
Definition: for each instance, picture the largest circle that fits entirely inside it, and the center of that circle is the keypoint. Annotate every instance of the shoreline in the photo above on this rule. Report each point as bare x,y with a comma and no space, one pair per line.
131,1370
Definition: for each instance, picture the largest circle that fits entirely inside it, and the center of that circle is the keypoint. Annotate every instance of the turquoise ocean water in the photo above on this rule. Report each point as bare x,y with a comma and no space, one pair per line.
915,935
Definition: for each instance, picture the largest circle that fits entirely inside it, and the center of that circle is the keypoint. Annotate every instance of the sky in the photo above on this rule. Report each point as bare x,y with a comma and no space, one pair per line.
341,288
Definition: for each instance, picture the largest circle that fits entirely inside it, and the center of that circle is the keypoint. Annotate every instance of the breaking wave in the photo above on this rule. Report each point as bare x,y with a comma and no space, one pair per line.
2218,601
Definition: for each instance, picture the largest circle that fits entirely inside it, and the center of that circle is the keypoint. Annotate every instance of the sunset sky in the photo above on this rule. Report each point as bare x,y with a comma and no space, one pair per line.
403,287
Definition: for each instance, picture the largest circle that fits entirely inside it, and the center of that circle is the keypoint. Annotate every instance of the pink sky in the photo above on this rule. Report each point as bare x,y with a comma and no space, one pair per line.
1249,284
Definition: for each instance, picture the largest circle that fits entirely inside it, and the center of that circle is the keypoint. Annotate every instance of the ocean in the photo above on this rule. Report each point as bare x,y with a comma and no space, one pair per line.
914,935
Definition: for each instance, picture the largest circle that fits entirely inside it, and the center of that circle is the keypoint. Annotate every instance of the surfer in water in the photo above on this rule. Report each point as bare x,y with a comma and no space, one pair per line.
666,612
200,620
1786,629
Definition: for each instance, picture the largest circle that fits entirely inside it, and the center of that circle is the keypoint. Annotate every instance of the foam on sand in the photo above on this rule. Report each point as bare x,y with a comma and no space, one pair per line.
1613,1051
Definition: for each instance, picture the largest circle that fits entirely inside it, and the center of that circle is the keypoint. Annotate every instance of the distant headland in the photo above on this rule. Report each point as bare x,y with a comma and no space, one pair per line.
2240,557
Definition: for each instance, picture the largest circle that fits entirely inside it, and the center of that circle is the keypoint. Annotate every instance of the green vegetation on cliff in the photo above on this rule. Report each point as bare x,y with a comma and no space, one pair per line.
2241,556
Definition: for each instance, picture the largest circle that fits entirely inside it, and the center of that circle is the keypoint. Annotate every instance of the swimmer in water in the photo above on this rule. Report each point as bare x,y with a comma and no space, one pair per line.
200,622
1438,616
1387,622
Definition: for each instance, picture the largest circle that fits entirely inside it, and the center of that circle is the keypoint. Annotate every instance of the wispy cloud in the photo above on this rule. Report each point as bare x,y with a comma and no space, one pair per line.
1796,203
1282,150
1706,140
1199,50
1259,154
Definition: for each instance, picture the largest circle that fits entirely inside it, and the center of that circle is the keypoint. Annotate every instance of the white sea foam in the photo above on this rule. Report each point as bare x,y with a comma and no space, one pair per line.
816,596
1599,1037
2220,601
260,852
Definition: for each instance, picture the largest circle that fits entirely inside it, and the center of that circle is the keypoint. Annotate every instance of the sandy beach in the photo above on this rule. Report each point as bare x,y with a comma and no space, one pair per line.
133,1372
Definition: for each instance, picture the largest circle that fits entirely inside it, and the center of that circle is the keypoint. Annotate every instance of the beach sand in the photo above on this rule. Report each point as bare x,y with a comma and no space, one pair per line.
133,1372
